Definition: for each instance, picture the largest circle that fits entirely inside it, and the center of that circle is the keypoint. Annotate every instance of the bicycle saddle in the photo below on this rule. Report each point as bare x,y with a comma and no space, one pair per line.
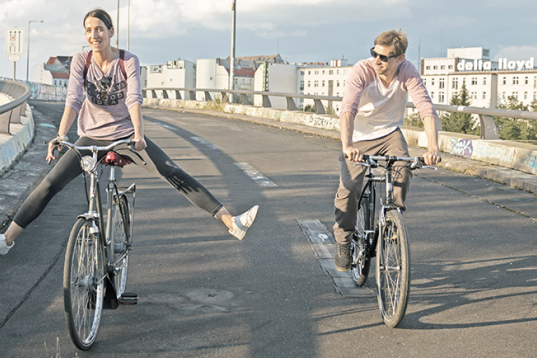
112,158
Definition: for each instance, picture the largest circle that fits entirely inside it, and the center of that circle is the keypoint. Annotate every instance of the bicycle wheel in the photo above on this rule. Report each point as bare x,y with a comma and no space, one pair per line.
393,269
83,284
121,226
360,256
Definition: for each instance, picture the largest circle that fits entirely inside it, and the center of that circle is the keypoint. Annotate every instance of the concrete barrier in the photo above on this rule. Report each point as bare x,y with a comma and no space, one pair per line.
13,146
508,154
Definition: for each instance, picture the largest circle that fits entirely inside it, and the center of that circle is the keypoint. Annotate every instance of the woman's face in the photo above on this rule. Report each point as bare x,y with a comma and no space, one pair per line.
97,34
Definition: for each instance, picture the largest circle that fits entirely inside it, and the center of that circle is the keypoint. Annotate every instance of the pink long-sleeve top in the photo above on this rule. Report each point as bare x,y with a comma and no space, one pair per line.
379,110
104,114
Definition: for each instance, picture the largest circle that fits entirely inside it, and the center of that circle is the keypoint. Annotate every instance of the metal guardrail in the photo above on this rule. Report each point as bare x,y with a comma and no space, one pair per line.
488,127
12,111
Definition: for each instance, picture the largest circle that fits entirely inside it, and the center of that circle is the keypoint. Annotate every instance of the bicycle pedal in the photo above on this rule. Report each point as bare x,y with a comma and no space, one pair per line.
128,298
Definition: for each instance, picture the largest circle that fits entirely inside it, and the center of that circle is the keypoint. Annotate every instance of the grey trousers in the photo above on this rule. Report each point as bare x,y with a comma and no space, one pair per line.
352,177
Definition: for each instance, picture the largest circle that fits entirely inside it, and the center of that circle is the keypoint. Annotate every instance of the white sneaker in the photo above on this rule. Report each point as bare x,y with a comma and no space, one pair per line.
242,223
3,246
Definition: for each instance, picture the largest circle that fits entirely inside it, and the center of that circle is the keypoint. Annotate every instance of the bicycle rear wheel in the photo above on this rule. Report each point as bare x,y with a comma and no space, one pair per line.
121,226
393,269
360,256
83,284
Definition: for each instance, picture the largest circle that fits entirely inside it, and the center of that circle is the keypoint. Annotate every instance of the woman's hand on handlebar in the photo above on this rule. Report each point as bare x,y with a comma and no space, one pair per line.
353,154
52,145
139,144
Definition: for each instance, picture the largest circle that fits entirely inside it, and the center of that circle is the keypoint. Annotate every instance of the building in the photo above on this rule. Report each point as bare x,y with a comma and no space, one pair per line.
488,82
54,72
327,80
278,78
174,74
214,74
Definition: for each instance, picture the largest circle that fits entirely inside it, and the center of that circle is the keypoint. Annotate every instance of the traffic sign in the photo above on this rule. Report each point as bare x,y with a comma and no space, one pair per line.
14,58
14,40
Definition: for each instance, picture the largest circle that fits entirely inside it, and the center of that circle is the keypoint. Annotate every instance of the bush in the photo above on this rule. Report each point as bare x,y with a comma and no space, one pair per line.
515,128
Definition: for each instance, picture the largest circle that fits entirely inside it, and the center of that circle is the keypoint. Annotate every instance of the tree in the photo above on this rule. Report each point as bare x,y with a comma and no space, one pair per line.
459,122
513,128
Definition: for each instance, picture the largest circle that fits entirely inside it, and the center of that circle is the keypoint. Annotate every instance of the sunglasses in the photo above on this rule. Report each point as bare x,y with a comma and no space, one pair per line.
383,58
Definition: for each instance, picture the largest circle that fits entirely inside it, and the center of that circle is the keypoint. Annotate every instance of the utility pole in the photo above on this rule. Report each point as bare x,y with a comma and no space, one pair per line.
232,62
117,26
128,22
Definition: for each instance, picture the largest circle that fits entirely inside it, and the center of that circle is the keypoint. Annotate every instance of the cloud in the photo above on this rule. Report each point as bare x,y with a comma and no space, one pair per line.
516,52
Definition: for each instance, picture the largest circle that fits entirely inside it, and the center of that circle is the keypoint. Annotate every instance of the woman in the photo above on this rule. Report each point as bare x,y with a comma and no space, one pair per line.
111,111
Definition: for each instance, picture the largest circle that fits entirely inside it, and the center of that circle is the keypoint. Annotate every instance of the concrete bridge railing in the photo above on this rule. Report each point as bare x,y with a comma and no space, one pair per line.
487,147
488,127
11,112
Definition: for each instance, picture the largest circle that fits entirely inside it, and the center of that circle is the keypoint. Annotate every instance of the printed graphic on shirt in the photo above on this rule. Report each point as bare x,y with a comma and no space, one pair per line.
104,93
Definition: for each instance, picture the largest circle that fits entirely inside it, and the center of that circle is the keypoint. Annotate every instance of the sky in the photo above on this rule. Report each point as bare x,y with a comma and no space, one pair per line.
300,30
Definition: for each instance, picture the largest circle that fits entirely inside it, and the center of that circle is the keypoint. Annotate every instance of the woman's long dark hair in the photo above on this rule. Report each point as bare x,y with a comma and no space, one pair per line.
101,15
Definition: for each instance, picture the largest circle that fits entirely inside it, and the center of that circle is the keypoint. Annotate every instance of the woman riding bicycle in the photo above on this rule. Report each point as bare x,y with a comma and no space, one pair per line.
111,111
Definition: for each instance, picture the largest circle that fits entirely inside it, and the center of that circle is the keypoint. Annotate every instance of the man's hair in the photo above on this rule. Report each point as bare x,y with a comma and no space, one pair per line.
101,15
397,39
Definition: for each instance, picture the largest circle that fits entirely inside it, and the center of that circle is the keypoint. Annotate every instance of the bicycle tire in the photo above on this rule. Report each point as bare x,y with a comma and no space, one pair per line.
393,269
83,284
121,226
360,257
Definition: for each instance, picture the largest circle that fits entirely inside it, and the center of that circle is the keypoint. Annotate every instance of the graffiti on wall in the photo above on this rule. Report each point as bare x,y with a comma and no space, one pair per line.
43,91
461,147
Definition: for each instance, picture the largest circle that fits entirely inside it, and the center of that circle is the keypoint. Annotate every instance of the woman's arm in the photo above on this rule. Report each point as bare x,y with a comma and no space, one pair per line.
137,121
68,117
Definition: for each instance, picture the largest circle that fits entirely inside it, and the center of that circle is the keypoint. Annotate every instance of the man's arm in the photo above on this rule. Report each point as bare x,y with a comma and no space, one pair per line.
346,125
433,156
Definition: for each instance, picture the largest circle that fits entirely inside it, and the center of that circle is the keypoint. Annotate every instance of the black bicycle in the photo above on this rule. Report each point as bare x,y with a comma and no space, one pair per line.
382,234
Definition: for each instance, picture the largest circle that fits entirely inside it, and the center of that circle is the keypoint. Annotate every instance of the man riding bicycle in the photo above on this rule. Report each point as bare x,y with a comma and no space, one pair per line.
371,115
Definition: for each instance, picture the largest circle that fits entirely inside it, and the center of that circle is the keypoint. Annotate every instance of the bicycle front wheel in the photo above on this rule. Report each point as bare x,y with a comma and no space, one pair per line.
121,225
83,284
393,269
360,256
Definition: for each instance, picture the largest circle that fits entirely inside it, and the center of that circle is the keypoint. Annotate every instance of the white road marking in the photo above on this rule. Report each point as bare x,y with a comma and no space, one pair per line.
255,175
323,245
203,141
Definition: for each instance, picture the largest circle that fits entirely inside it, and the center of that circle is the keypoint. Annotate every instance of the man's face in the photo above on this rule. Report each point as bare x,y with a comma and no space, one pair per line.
386,68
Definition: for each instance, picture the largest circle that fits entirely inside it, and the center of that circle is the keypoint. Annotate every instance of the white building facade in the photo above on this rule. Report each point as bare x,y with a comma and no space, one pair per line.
174,74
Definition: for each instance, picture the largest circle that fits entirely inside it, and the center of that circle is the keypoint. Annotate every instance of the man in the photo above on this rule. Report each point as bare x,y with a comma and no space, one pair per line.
372,113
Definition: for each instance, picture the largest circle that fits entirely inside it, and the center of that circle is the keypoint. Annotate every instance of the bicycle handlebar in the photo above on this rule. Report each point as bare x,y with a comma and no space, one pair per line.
94,148
371,160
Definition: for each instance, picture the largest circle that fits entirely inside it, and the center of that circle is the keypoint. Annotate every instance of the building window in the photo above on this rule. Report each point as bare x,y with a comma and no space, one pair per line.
301,84
515,80
337,83
474,95
432,81
503,96
323,81
309,83
515,94
316,72
432,95
427,67
441,97
484,80
344,83
484,95
525,95
442,67
464,81
505,80
435,68
316,84
450,67
302,73
526,80
441,82
309,72
474,80
337,72
455,83
425,82
331,72
323,72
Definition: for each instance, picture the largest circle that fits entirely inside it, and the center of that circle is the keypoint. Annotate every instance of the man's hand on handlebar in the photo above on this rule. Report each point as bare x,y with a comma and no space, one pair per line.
432,157
353,154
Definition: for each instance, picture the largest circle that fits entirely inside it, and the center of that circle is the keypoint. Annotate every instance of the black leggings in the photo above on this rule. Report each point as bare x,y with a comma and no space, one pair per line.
158,162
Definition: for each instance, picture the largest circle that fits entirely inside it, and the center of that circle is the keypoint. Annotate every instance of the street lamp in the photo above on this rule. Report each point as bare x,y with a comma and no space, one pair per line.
232,62
28,54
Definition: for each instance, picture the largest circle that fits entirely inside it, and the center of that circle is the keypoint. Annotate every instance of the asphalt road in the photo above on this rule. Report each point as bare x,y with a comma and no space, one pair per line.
205,294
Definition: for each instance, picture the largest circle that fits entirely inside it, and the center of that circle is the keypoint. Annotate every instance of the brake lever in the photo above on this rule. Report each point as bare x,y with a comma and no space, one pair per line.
131,147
